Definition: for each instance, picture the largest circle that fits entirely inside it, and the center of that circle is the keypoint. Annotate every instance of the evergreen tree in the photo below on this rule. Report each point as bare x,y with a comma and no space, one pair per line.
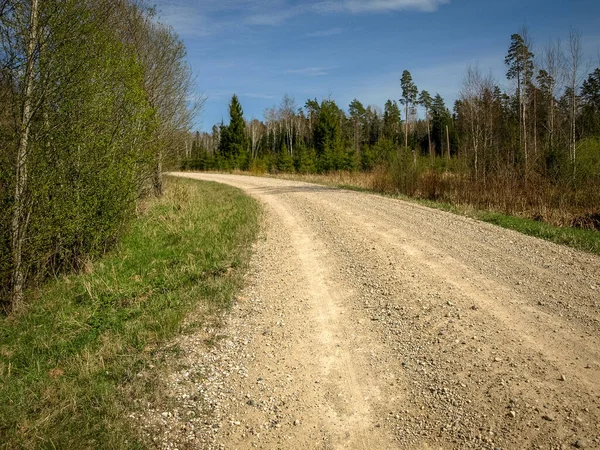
409,97
392,122
440,119
285,162
357,116
590,96
328,135
520,68
233,136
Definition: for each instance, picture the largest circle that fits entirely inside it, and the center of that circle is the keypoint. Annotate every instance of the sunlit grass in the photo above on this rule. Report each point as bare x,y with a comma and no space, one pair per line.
70,363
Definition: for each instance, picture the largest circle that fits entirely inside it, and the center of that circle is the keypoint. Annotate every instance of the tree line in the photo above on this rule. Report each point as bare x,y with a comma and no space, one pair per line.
93,105
533,148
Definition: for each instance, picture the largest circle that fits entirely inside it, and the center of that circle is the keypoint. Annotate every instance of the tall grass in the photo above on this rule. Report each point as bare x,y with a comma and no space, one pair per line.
70,364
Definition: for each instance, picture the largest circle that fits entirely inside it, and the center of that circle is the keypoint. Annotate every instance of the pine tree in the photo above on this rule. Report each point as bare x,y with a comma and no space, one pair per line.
392,121
357,116
409,97
233,136
590,96
520,67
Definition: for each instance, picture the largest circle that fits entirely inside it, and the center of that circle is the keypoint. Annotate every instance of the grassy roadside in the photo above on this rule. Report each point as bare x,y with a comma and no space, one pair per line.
69,365
580,239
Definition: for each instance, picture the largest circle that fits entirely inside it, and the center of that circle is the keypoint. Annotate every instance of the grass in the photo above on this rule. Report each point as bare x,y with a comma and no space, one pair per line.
580,239
70,364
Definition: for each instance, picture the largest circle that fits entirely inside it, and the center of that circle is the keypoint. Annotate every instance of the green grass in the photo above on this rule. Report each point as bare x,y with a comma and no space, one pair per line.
70,364
586,240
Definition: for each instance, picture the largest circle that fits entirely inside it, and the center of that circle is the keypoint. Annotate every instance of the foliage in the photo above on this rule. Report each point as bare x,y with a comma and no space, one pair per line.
82,129
73,363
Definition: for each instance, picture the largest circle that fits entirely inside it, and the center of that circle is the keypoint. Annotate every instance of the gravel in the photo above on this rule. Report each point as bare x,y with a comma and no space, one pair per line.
369,322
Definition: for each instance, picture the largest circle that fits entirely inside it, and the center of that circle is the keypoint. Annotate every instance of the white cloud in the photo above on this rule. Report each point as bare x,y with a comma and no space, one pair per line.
187,20
274,17
206,17
358,6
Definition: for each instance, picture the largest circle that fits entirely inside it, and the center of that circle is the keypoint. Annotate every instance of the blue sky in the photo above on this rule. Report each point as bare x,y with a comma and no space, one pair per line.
347,49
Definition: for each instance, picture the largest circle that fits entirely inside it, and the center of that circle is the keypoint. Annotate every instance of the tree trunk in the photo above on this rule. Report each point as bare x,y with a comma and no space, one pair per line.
406,126
157,181
19,216
525,154
428,134
535,127
448,141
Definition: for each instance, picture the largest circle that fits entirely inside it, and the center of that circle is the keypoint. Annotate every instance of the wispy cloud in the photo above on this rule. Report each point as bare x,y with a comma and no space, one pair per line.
358,6
274,17
326,33
310,71
187,20
206,17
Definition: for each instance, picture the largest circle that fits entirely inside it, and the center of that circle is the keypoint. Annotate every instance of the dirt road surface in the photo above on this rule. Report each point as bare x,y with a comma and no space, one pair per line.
373,323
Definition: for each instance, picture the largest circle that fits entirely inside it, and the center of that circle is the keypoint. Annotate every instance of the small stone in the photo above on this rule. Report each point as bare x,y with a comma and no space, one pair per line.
578,444
512,414
547,417
562,378
296,422
497,359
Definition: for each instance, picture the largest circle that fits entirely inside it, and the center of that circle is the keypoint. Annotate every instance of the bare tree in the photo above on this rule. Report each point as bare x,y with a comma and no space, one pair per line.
575,55
476,110
553,63
287,114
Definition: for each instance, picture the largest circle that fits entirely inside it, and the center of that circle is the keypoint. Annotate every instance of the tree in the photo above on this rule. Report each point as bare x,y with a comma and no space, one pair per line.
590,97
409,97
357,116
167,82
476,115
28,103
520,68
549,79
392,121
426,101
575,57
233,136
327,135
77,144
440,120
287,113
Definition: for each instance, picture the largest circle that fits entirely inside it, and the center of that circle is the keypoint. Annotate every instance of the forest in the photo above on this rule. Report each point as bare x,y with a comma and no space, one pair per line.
94,103
532,149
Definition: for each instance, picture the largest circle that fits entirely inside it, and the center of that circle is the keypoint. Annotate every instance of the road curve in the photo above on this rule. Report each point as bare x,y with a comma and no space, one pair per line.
370,323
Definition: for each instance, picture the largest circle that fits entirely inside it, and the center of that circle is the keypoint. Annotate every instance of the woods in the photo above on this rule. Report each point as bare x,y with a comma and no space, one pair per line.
532,148
94,102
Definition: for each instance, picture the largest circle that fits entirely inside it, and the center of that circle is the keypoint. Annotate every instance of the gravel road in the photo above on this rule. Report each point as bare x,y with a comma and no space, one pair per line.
373,323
